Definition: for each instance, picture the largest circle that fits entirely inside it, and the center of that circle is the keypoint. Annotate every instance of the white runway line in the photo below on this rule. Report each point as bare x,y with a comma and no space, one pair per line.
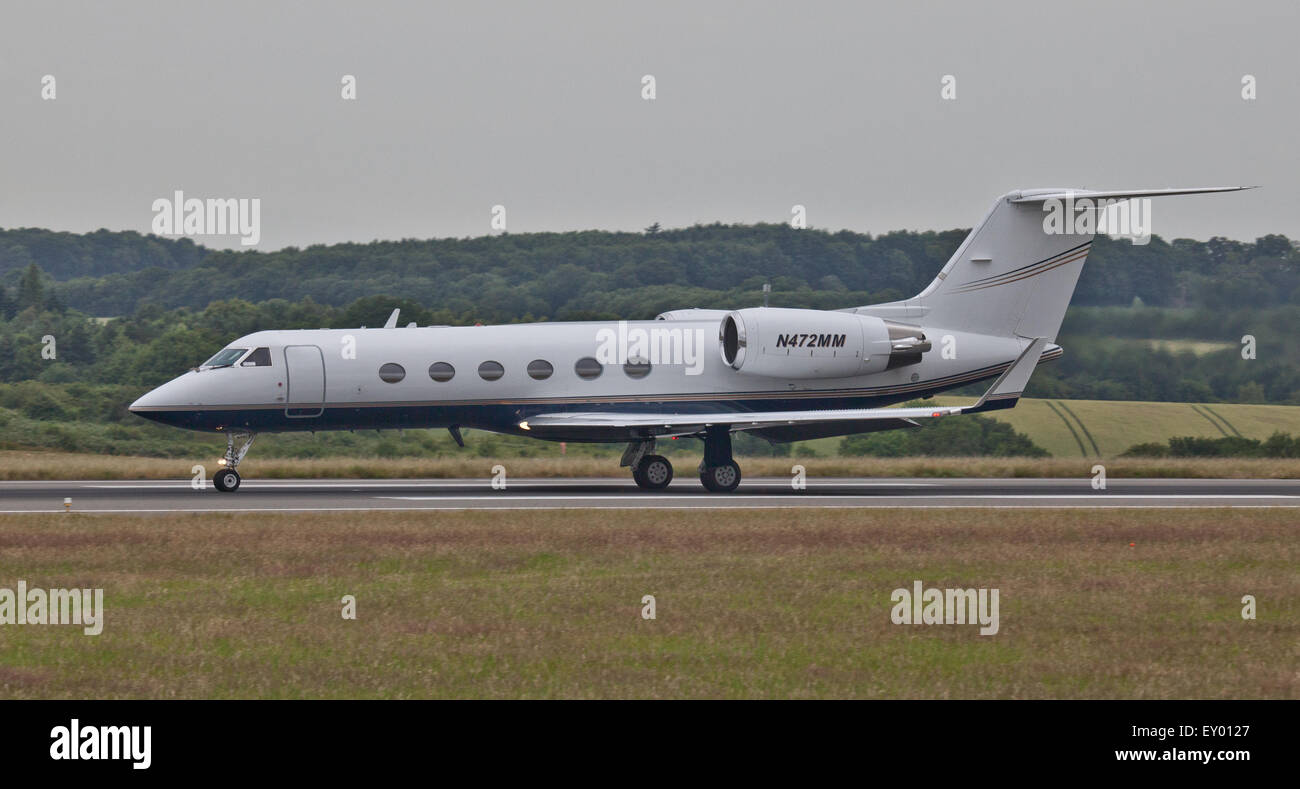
184,484
667,507
795,496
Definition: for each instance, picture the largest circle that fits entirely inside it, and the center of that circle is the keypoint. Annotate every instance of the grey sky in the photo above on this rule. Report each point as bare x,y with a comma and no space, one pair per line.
537,106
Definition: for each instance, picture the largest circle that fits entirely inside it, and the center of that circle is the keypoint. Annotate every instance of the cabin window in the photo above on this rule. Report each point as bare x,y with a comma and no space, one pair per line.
392,373
225,358
636,367
258,358
441,371
540,369
588,368
490,371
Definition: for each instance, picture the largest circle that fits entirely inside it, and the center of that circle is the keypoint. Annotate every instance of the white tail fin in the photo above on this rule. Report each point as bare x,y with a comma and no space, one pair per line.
1011,277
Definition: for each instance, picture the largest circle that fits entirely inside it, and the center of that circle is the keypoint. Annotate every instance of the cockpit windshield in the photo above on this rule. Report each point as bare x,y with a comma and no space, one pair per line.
226,357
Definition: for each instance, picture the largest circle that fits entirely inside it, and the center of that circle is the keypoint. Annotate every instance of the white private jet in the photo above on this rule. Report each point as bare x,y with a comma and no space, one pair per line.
992,312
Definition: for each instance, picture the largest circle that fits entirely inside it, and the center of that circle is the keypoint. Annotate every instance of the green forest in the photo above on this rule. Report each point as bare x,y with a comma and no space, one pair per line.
129,311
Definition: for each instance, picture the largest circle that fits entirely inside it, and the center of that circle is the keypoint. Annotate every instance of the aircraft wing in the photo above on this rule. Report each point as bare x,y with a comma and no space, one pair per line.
1008,386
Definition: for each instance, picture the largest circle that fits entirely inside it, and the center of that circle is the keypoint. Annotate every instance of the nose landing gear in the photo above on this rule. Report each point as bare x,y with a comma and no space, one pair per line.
227,479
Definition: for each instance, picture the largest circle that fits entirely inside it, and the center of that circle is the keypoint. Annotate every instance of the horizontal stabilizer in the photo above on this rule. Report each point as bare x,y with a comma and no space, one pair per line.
1042,195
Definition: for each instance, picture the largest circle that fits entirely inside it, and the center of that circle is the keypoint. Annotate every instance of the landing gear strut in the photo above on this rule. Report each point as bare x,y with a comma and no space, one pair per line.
719,472
227,479
652,472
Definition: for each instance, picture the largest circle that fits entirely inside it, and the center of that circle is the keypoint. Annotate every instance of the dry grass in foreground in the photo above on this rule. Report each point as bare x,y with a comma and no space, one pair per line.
770,604
20,465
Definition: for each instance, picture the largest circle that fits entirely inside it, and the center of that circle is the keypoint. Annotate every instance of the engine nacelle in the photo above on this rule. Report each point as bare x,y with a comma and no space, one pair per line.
784,343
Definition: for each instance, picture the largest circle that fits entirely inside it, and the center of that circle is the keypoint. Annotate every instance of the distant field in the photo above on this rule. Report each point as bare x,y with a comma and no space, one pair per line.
57,465
771,604
1198,347
1105,428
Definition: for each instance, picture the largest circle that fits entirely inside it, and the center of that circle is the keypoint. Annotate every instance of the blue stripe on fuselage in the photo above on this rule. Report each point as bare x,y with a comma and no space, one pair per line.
497,417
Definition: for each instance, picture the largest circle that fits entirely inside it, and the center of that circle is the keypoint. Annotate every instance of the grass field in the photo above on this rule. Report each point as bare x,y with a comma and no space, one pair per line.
1077,433
1105,428
59,465
771,604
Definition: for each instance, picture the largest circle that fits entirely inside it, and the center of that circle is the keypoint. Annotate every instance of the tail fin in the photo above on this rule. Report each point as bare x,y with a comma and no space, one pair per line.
1011,277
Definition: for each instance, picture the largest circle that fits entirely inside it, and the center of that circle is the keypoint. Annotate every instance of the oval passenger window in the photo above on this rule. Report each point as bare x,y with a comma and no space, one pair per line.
540,369
441,371
588,368
637,367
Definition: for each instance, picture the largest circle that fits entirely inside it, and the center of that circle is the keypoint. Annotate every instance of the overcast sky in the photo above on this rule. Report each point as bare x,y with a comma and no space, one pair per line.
538,107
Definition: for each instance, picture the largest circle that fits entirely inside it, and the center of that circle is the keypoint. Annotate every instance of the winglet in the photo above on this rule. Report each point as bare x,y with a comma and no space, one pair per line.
391,323
1013,380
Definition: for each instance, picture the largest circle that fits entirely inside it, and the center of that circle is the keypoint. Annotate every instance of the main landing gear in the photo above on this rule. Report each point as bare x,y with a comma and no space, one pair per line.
652,472
719,472
227,479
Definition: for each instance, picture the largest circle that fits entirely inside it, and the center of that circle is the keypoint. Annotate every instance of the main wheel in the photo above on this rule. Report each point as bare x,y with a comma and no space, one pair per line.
653,472
226,480
721,479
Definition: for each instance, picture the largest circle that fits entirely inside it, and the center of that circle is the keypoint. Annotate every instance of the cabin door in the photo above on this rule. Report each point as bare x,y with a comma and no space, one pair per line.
306,373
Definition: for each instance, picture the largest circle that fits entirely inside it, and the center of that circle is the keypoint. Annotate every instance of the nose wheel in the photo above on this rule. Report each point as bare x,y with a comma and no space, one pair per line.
227,479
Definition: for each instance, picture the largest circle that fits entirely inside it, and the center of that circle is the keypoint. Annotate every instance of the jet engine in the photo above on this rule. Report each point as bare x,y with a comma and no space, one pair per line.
785,343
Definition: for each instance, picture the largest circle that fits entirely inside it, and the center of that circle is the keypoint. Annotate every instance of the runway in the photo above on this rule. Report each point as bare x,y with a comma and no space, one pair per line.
256,495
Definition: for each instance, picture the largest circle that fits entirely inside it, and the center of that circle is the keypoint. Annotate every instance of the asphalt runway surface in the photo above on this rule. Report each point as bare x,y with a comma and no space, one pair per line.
275,495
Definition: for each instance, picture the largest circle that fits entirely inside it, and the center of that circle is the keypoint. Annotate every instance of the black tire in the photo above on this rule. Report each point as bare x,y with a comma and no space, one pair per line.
653,472
226,480
723,478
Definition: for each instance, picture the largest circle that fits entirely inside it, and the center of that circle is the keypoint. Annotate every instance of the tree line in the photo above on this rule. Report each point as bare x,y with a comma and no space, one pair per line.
176,303
549,276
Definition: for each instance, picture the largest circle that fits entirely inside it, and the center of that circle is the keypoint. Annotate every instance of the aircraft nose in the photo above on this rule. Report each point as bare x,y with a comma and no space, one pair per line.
142,402
162,398
147,406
